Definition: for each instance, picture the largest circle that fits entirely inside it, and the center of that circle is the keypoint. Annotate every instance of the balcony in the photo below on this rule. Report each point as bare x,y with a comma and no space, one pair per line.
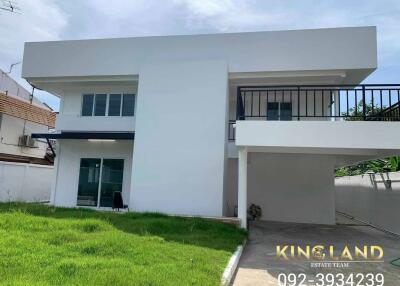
369,102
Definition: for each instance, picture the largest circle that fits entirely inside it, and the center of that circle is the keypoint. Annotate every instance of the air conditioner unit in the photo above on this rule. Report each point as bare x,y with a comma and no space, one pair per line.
26,141
23,140
31,142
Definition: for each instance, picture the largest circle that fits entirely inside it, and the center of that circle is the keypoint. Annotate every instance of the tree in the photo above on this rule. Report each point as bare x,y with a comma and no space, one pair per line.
356,114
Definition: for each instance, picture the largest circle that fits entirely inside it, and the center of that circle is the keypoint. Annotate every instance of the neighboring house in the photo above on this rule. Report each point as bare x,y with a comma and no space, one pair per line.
21,114
205,124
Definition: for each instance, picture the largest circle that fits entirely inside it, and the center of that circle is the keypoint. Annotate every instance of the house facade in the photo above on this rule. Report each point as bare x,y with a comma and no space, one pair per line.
209,124
22,114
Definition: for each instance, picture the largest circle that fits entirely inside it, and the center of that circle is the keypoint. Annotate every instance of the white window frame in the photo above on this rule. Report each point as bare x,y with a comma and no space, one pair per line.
120,106
94,105
122,103
108,103
83,95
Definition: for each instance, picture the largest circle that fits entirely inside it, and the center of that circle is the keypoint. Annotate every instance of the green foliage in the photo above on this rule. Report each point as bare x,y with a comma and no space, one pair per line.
43,245
395,163
356,114
391,164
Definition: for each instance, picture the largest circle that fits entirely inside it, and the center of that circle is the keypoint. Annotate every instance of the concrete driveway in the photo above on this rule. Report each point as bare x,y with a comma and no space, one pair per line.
259,265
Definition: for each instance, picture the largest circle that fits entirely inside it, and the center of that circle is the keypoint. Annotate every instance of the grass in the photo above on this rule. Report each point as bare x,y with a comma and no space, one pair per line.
43,245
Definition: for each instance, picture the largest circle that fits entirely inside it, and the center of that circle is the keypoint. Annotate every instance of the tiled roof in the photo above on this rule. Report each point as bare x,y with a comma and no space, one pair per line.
24,110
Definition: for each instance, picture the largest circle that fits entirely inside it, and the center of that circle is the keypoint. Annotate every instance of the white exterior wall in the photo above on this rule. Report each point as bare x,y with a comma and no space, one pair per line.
287,187
323,135
25,182
11,87
178,164
231,187
12,128
69,154
70,118
95,123
367,198
319,49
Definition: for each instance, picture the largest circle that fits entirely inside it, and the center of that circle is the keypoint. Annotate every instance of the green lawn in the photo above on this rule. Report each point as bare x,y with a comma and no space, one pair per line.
42,245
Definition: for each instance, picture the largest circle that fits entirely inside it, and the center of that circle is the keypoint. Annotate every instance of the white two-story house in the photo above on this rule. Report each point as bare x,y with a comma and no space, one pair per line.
209,124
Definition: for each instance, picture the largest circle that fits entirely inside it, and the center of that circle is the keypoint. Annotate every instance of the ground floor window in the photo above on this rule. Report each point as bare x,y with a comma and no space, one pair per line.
98,180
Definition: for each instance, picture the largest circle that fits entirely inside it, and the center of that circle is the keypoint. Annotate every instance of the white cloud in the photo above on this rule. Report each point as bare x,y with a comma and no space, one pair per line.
210,8
252,15
40,20
232,15
120,18
131,18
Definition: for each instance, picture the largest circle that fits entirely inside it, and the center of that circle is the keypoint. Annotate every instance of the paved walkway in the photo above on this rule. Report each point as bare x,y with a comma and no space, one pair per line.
259,266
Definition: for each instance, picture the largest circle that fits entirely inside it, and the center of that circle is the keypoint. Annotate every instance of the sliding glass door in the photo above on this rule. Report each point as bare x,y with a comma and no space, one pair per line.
111,180
98,180
89,177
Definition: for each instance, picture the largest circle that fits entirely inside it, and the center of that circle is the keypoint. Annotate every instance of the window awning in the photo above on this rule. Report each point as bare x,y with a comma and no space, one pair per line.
86,135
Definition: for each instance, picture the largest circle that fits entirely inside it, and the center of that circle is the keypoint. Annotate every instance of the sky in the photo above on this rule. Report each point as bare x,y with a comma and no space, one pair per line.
44,20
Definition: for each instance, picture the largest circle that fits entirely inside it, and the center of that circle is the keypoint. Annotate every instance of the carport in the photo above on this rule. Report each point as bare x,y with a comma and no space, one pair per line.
311,150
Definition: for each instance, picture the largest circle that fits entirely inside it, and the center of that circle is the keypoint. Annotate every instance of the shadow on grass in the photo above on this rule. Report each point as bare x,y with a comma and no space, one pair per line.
195,231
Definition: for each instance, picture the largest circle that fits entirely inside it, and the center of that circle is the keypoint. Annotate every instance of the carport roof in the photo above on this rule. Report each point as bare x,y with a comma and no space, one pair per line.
87,135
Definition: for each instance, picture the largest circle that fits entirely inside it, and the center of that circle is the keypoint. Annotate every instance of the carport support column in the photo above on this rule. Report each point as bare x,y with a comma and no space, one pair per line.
242,187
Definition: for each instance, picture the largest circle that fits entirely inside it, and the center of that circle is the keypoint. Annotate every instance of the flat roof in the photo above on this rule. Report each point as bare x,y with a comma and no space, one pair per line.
347,49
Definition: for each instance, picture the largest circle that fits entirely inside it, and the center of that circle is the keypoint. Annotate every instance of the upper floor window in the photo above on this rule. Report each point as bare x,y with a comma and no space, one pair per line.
128,105
100,104
115,104
279,111
87,104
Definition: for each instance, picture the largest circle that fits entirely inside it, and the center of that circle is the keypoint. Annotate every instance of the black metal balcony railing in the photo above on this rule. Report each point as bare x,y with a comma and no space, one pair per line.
375,102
